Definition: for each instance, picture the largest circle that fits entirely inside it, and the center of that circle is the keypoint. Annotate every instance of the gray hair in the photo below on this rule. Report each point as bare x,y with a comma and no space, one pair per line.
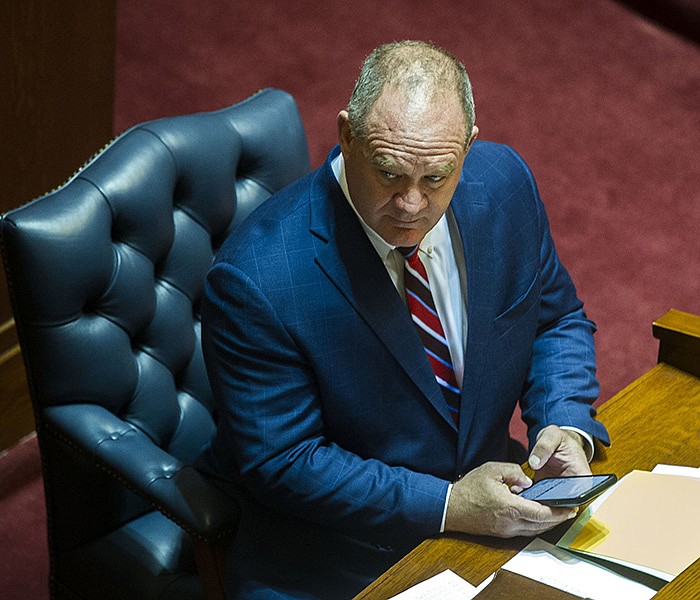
408,65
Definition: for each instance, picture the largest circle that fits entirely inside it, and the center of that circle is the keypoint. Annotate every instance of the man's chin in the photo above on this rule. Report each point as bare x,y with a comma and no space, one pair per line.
401,234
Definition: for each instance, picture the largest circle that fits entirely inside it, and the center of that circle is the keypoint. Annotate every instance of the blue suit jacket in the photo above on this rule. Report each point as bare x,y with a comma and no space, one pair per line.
333,433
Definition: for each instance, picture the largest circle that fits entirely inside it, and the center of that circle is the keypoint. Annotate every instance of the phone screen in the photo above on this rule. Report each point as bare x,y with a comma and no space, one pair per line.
568,491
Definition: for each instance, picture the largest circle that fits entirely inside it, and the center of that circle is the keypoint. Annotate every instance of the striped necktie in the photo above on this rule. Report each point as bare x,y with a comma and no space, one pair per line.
430,331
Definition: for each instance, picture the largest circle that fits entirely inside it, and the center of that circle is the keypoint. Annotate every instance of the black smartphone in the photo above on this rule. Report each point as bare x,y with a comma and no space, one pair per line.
568,491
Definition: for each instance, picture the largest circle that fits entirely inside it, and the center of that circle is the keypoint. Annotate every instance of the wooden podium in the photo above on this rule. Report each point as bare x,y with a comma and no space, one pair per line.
656,419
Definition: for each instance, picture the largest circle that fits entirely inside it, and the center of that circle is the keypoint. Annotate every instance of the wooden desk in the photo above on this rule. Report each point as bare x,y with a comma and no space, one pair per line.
654,420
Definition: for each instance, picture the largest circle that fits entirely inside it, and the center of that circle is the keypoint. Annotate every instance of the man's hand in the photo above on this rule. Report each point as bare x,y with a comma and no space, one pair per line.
482,503
558,453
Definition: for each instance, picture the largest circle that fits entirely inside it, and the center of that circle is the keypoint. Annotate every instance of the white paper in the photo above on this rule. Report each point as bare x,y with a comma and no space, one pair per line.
676,470
558,568
443,586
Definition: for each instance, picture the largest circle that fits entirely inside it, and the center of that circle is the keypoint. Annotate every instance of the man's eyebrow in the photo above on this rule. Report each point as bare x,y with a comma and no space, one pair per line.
444,170
382,162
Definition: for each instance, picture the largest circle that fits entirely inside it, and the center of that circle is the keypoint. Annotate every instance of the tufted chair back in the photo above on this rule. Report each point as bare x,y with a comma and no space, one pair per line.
106,275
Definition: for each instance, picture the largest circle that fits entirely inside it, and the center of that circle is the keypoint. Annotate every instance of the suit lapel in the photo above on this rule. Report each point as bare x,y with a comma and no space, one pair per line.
471,210
349,260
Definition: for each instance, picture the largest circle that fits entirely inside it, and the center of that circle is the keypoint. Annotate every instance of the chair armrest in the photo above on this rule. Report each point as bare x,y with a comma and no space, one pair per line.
173,487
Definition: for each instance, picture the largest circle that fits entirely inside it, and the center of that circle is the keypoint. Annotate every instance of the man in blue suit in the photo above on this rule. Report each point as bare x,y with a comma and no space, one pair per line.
335,431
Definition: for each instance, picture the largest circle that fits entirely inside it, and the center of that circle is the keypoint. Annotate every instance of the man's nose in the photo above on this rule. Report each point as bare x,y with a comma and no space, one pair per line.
410,199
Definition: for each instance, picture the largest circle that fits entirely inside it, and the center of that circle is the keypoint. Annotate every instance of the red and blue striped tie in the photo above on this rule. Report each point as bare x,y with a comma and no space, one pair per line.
430,331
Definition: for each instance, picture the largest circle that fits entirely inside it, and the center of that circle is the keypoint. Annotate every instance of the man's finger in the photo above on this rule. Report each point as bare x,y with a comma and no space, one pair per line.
537,513
547,442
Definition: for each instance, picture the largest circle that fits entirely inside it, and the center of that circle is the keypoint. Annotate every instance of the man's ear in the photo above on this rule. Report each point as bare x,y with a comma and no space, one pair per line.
472,137
344,132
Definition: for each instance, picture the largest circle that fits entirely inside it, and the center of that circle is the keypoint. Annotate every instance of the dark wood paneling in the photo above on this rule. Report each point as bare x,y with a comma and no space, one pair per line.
56,110
681,16
16,415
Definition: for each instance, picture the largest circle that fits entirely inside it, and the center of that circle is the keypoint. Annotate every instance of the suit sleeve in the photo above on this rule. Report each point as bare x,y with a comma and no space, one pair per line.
271,434
561,385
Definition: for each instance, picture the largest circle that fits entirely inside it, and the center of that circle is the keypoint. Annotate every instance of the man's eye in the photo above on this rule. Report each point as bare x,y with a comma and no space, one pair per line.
389,175
435,178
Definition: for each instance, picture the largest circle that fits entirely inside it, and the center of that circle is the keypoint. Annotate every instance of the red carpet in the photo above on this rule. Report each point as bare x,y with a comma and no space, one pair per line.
602,103
24,566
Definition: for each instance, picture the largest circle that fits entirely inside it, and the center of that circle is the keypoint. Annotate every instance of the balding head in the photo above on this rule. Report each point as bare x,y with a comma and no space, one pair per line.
421,72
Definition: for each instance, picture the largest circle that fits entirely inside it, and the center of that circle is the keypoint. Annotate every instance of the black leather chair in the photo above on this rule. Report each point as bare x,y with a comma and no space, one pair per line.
106,275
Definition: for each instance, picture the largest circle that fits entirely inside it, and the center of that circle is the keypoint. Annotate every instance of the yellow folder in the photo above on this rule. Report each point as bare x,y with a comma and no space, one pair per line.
649,521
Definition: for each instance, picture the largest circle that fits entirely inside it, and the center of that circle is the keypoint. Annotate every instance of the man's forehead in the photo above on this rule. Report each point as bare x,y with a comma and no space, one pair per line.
396,108
436,135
